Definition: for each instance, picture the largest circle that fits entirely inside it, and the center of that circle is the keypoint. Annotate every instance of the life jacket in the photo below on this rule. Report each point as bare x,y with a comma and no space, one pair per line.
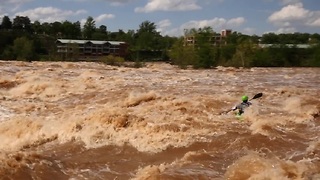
242,106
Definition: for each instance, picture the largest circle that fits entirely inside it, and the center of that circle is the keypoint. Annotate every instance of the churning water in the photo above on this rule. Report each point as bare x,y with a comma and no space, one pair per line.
63,120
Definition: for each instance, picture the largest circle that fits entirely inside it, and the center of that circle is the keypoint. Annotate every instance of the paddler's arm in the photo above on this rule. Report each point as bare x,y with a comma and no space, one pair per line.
232,109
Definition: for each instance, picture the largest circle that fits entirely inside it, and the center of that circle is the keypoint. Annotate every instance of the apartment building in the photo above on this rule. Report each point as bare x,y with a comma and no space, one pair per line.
215,40
90,49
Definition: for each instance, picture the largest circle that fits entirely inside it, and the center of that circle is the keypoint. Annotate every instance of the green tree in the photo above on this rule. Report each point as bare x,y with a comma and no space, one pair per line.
226,53
244,54
6,40
103,29
146,42
76,29
23,49
56,29
89,28
46,28
6,23
270,38
181,55
22,23
100,33
314,39
262,58
70,30
204,48
147,36
37,28
8,53
314,60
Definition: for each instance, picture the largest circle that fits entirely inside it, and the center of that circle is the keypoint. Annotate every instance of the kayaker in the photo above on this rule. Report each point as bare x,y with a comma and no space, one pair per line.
243,105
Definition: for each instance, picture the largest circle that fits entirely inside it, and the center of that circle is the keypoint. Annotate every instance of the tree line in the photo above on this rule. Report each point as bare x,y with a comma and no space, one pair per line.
21,39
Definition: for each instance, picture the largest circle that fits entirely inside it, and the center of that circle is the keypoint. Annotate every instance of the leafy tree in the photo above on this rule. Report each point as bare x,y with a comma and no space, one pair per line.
22,23
23,49
314,39
226,53
70,30
261,58
100,33
182,56
56,29
278,57
270,38
147,36
244,54
46,28
8,53
77,29
112,60
129,37
204,49
6,40
89,28
6,23
147,43
315,57
147,27
103,29
233,38
37,28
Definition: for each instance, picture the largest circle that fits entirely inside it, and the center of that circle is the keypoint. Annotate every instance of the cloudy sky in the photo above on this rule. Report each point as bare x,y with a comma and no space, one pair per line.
173,16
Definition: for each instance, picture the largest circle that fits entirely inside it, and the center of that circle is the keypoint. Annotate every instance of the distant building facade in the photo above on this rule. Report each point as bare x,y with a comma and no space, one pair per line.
90,49
215,39
299,46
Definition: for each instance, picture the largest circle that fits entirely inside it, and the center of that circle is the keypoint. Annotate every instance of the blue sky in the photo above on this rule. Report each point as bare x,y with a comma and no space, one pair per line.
173,16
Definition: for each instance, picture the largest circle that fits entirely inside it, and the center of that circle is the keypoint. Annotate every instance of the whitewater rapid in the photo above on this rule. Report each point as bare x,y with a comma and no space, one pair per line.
86,120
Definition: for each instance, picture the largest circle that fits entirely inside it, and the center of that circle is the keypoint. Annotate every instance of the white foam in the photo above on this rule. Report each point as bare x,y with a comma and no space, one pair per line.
5,113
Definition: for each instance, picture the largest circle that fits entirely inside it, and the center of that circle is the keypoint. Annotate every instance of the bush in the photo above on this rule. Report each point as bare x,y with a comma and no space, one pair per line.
112,60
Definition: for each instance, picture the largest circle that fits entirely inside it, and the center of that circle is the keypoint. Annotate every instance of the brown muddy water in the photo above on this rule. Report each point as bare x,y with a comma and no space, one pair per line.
63,120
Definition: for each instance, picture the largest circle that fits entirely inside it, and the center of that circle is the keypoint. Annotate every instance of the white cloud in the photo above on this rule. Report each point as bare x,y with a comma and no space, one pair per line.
283,2
103,17
11,5
163,25
119,2
294,15
236,22
249,31
169,5
15,1
49,14
98,19
286,30
216,23
289,13
112,2
286,2
315,22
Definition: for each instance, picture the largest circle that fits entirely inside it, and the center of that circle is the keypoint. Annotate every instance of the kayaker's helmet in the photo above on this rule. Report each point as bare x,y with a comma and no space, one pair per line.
244,98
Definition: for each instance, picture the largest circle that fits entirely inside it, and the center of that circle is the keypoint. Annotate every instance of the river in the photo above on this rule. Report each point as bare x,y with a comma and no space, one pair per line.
86,120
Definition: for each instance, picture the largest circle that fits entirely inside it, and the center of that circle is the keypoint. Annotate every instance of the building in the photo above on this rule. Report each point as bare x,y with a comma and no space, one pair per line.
299,46
215,39
226,32
90,49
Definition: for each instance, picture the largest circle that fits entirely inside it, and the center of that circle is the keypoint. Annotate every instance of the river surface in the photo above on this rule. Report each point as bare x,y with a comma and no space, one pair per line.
85,120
